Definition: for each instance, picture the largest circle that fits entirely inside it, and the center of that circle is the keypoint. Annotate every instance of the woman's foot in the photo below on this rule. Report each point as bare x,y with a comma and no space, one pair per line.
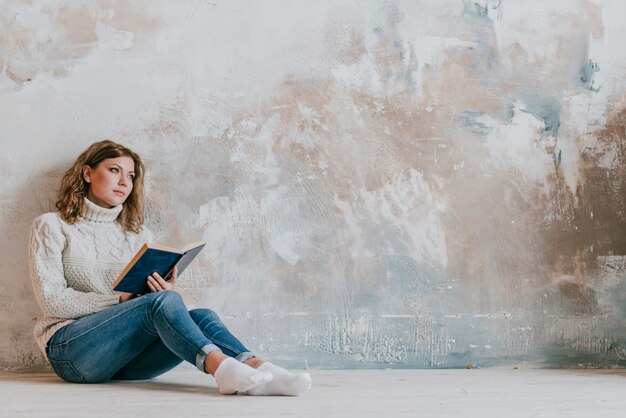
233,376
284,383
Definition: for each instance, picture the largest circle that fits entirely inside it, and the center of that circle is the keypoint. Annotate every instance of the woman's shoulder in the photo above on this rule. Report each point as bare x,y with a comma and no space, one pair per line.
49,218
49,228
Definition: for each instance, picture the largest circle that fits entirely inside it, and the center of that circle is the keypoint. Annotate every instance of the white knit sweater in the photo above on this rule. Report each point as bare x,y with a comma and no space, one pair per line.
73,267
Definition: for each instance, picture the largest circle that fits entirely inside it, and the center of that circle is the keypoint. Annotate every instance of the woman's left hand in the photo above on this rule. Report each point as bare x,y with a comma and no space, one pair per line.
156,283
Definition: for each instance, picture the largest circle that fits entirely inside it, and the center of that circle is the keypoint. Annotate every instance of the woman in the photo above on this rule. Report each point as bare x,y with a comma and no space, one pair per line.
89,332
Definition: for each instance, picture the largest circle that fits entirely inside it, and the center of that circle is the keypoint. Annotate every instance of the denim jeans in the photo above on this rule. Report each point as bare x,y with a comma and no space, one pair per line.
139,339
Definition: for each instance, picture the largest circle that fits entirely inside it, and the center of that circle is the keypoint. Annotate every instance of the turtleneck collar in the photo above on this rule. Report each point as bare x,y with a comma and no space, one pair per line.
93,212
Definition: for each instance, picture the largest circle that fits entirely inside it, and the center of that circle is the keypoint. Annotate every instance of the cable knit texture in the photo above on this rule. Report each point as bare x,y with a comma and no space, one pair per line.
73,267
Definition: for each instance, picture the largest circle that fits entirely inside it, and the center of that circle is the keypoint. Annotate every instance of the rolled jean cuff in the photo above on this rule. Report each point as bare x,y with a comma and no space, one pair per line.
201,356
246,355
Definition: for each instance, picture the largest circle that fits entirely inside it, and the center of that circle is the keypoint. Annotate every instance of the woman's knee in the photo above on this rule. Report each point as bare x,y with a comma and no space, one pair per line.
164,296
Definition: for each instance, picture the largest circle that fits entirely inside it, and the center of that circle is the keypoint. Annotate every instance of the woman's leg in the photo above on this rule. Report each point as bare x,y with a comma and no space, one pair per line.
98,345
157,359
215,330
95,347
284,382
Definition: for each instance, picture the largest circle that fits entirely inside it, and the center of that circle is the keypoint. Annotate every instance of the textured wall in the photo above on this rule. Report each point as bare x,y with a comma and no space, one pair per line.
380,184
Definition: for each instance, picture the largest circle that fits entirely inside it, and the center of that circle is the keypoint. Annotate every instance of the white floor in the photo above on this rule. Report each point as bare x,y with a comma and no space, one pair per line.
365,393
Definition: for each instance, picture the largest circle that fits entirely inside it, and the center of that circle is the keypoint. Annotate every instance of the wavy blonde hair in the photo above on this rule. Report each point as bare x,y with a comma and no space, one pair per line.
74,188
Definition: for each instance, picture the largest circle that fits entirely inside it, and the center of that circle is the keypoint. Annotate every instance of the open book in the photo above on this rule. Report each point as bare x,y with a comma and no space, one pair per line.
151,258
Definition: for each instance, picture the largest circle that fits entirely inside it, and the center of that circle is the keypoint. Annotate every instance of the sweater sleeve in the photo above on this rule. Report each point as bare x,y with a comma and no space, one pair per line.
56,299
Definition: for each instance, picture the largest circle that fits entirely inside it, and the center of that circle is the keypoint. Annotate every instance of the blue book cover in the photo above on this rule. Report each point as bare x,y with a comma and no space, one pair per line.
154,258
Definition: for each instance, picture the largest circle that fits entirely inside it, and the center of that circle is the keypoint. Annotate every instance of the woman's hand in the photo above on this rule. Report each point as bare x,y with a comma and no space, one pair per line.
156,283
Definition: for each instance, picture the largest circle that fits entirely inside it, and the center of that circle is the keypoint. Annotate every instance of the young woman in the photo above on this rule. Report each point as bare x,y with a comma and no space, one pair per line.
92,334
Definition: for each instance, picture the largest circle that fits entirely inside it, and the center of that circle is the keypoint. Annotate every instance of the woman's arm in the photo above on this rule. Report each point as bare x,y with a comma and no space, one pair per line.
46,271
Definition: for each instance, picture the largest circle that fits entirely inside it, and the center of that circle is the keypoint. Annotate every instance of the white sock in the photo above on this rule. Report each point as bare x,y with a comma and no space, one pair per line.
233,376
284,382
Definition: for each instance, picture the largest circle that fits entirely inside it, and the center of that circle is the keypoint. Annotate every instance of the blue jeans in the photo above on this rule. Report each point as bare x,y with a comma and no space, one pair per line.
139,339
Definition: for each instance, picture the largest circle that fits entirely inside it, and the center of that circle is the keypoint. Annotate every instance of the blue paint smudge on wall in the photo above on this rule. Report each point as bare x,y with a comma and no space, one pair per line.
475,9
468,119
548,110
586,73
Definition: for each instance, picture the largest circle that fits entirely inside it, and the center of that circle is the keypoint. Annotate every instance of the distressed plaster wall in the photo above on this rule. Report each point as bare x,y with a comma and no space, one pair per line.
380,184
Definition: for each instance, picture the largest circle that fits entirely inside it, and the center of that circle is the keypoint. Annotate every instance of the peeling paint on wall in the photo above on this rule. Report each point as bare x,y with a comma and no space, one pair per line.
398,184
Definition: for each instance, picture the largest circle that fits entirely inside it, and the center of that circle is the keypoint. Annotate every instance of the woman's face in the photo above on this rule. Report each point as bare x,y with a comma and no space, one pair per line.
111,181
